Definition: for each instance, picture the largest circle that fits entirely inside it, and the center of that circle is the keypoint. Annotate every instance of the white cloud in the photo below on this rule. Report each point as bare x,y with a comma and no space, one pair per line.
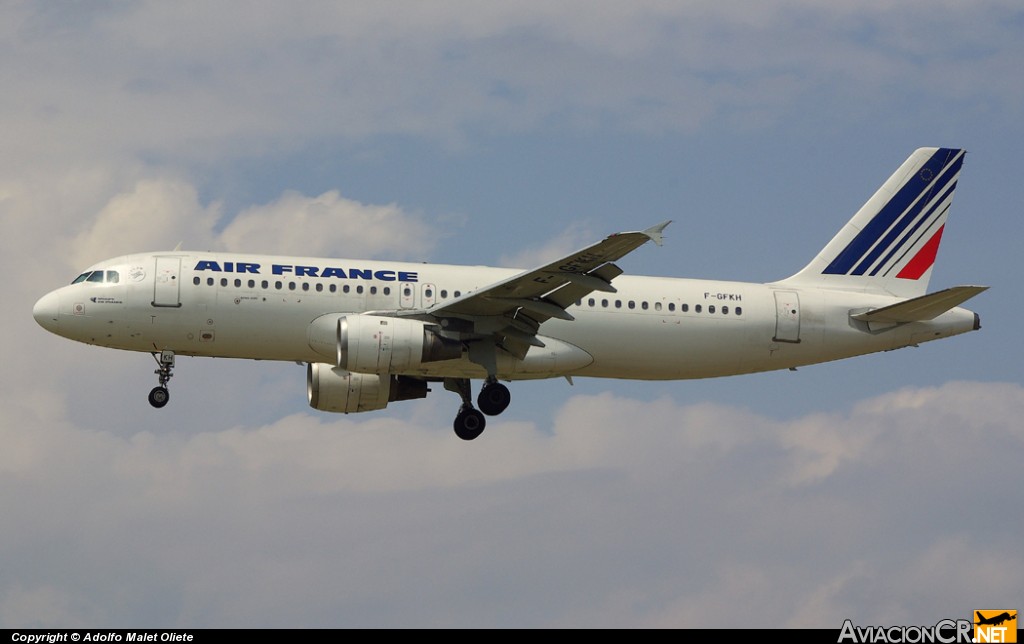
329,225
373,520
228,79
154,215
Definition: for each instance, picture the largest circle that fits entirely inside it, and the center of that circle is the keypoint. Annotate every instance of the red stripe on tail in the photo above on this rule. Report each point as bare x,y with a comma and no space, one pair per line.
924,259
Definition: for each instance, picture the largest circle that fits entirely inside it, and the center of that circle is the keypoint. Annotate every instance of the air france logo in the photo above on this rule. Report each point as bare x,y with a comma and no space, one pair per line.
384,275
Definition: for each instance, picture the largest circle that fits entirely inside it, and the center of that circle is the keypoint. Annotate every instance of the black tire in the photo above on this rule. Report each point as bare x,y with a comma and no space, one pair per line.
159,396
469,424
494,398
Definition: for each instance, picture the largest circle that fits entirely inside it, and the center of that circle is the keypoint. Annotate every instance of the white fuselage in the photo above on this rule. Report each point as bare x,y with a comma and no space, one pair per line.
262,307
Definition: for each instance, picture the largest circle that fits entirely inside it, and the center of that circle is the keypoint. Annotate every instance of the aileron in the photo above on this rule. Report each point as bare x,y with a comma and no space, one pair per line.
541,307
589,282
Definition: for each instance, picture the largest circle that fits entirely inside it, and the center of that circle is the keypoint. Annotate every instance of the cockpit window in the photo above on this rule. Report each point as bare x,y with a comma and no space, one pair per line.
99,277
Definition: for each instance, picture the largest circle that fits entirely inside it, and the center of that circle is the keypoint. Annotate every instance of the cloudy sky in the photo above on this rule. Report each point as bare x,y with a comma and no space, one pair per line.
880,489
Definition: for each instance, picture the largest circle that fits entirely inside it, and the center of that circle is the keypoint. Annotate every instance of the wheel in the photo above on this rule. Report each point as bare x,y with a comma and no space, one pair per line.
494,398
469,424
158,397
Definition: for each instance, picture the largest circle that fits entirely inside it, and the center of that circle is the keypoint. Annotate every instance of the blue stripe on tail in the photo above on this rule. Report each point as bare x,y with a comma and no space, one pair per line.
936,175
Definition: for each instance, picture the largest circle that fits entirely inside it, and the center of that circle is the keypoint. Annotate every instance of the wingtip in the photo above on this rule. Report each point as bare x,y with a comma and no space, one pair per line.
655,232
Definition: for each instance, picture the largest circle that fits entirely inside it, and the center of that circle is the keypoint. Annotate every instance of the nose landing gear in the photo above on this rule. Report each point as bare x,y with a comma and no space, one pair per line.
159,395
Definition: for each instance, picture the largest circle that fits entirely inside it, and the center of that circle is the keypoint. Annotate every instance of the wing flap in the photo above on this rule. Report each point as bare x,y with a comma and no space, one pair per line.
919,309
572,293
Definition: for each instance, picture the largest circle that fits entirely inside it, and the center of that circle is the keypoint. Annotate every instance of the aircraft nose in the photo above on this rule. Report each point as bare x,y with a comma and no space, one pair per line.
46,311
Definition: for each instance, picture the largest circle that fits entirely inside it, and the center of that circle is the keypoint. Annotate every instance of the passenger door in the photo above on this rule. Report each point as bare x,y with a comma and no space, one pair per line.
167,282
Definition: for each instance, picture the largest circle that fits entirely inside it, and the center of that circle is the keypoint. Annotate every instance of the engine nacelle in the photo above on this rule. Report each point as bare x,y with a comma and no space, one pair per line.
332,389
378,344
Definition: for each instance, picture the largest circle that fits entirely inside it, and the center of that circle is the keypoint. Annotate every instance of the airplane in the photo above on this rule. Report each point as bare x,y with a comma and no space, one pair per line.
375,332
995,620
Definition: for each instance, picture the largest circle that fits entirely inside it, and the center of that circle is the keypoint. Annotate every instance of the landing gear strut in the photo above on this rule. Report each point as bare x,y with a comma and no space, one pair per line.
493,399
159,395
469,423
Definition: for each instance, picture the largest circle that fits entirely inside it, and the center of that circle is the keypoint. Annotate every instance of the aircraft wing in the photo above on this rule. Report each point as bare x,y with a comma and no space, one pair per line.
513,309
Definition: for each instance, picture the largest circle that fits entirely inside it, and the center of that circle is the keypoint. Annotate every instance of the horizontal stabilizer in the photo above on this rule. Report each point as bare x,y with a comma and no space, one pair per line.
918,309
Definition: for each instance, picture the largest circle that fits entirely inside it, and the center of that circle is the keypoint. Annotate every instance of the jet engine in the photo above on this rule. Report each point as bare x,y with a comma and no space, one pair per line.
377,344
332,389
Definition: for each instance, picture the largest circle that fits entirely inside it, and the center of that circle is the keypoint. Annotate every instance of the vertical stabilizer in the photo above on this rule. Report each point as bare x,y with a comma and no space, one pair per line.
890,244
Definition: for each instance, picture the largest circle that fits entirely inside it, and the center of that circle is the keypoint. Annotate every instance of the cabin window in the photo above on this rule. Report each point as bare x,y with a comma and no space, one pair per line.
278,285
685,308
359,289
725,310
711,309
265,284
238,283
319,287
631,304
387,290
209,281
373,290
428,292
657,306
590,302
457,293
697,308
252,283
345,289
444,294
305,286
604,303
672,306
643,305
739,310
334,288
196,280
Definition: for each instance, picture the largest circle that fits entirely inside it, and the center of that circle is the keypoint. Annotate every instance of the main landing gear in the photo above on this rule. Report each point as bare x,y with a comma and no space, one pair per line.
493,399
159,396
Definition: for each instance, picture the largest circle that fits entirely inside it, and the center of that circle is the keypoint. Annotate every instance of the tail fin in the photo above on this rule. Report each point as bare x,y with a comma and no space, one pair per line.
890,244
